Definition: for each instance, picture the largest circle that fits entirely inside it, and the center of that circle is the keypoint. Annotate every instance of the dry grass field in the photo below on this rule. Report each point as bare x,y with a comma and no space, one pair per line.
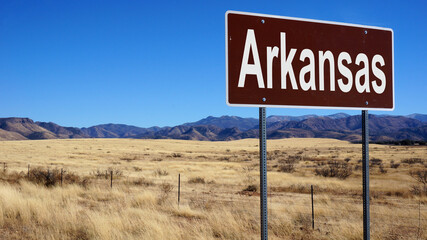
219,189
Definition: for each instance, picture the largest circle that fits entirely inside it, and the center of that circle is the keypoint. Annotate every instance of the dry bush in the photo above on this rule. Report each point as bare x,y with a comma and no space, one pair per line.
100,174
411,161
375,161
165,190
288,165
12,177
382,169
251,188
142,182
334,168
197,180
129,158
419,175
176,155
393,164
137,169
107,173
50,178
159,172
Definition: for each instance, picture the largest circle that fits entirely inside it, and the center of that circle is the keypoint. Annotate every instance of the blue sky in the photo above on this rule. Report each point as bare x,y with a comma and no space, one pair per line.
147,63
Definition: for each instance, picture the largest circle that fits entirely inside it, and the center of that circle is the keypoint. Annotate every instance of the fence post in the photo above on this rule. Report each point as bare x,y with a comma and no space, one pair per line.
111,184
61,176
312,208
4,167
28,173
179,187
419,219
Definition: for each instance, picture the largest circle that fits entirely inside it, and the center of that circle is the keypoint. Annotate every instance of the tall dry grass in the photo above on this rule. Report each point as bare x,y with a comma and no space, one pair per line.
143,201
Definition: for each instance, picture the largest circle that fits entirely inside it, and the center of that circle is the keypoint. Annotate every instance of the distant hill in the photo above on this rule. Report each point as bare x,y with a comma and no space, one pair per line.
338,126
23,128
275,118
421,117
226,122
63,132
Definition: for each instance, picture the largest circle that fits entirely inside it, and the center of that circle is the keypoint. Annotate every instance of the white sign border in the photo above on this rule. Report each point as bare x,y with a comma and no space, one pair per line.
304,20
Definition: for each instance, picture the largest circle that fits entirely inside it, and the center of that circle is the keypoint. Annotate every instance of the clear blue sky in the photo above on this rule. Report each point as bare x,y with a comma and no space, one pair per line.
146,63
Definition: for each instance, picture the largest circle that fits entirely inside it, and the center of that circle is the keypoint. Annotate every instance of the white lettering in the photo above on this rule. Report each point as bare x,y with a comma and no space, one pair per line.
378,73
345,72
250,69
330,57
362,72
286,63
307,53
271,54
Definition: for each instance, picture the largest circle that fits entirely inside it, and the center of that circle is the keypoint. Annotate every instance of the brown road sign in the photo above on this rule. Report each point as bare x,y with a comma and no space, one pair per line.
275,61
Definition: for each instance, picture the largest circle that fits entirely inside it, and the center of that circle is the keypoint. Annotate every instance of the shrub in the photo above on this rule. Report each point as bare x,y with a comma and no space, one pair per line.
137,169
129,158
413,161
420,176
107,173
165,189
159,172
142,182
50,178
287,166
196,180
334,168
394,165
382,170
251,188
375,161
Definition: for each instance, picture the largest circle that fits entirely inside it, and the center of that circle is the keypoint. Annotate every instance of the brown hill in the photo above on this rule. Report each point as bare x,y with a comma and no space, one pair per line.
6,135
25,127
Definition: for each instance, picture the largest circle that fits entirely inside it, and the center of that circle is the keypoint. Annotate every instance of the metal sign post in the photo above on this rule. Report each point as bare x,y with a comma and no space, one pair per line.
263,171
365,168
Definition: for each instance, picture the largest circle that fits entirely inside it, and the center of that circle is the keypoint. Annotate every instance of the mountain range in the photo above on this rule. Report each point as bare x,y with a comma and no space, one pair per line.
338,126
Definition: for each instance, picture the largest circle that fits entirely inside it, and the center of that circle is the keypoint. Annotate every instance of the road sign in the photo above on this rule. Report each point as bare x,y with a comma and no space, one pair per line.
274,61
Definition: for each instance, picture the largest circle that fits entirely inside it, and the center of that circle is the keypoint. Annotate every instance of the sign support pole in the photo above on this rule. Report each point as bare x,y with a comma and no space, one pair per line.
365,167
263,171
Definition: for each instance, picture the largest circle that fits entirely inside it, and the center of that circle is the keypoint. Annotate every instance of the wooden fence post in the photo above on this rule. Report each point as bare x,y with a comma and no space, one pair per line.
179,187
111,184
312,208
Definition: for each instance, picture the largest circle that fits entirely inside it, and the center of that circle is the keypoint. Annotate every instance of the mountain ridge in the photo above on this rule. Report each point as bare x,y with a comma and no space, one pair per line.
339,126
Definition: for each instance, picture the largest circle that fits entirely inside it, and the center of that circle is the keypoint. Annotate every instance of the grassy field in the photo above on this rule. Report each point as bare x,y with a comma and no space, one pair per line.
219,189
